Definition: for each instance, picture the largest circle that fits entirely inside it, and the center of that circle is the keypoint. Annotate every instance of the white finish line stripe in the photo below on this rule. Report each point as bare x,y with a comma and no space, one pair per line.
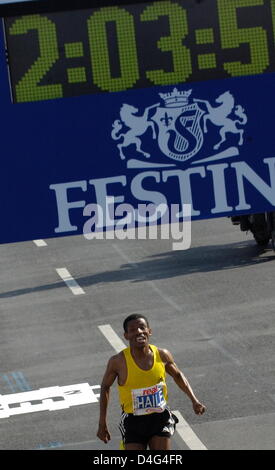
112,337
48,399
183,429
70,281
187,434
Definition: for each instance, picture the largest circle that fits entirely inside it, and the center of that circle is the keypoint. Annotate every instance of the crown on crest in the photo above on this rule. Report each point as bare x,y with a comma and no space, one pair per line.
176,98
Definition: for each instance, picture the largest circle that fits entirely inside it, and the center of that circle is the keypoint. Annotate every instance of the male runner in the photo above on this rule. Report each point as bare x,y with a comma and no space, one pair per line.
140,371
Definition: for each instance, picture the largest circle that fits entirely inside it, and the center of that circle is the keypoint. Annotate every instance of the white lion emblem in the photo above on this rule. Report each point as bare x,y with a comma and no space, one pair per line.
219,117
138,126
180,125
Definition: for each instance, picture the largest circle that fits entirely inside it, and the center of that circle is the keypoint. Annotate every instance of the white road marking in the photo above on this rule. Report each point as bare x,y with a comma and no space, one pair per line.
40,243
183,429
48,399
187,434
112,337
70,281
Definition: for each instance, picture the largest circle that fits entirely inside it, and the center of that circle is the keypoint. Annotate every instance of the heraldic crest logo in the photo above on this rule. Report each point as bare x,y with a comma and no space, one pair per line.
180,126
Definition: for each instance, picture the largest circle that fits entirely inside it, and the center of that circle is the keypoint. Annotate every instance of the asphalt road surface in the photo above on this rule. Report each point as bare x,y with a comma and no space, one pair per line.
212,306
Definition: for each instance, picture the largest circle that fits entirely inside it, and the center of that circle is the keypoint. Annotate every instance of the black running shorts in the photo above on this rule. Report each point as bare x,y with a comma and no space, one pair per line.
140,429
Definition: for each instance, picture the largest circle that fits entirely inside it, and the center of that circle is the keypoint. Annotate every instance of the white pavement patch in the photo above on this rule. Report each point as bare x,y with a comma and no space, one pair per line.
183,428
48,399
40,243
70,281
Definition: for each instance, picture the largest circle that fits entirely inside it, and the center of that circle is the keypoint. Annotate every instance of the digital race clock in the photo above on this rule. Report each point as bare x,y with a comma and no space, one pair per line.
136,45
168,103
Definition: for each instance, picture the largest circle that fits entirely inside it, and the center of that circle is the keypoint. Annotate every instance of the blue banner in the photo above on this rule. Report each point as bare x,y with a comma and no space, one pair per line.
210,144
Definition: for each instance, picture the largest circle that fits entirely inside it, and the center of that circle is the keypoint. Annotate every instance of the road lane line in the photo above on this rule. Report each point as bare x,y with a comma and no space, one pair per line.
21,381
112,337
40,243
16,381
183,429
70,281
6,378
187,434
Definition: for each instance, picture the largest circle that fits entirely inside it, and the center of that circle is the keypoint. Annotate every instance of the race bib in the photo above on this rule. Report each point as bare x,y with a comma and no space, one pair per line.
148,400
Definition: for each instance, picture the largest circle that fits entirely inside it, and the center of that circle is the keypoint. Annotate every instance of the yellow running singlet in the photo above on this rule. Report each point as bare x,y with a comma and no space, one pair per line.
144,391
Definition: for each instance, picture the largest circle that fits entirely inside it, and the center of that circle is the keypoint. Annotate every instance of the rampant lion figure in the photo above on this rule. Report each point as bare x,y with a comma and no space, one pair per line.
219,117
138,125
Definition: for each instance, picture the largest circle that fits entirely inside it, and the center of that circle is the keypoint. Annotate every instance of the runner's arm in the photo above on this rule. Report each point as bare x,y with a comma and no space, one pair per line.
107,381
180,379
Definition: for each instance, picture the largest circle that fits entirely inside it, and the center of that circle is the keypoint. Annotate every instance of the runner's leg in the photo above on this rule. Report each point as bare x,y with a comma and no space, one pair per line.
160,443
135,446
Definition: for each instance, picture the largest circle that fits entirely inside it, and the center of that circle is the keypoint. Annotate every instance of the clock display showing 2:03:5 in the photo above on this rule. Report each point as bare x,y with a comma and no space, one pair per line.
138,45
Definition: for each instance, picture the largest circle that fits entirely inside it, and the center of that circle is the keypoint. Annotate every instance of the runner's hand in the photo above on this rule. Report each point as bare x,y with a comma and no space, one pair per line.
199,408
103,433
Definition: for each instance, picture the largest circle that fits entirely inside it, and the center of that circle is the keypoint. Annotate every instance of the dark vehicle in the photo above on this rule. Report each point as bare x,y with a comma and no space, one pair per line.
262,226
